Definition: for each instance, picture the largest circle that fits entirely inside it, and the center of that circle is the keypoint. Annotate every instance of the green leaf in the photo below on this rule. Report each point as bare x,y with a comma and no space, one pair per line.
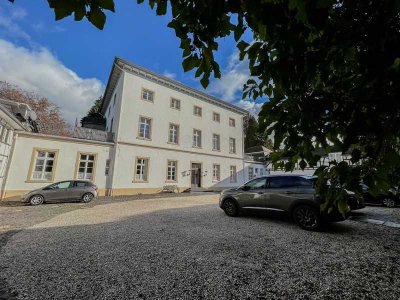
107,4
97,17
204,81
161,7
189,63
80,11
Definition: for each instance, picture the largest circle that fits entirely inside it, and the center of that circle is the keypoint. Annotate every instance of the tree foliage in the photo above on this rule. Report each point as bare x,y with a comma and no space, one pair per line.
329,67
49,119
252,136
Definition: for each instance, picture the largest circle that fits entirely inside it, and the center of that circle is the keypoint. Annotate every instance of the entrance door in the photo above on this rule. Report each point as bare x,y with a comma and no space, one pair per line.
196,175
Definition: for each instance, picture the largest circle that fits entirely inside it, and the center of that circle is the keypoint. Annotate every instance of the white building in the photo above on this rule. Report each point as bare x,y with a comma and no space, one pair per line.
161,133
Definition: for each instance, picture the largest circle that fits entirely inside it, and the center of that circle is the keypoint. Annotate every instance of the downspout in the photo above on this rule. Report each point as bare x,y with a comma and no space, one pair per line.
9,161
243,166
116,136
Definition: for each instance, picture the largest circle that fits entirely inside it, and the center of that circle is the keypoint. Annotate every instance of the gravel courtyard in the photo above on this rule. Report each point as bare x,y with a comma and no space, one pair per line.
186,248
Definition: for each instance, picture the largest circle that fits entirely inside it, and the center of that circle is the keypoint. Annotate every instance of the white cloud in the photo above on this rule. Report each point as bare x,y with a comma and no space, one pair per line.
170,75
39,71
251,106
9,19
231,83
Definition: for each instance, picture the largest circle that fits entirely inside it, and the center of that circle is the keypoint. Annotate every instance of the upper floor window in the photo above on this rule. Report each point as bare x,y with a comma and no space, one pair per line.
44,165
232,122
196,138
233,175
109,110
172,167
86,166
216,117
175,103
216,172
232,145
147,95
197,111
173,136
115,97
142,169
216,142
145,128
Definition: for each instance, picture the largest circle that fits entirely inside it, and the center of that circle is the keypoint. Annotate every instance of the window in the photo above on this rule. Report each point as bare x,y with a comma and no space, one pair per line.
145,128
175,103
9,136
216,172
173,136
115,97
216,142
216,117
288,181
142,169
233,176
232,145
251,173
172,166
196,138
147,95
261,172
86,166
109,110
232,122
256,184
197,111
107,169
61,185
82,184
44,165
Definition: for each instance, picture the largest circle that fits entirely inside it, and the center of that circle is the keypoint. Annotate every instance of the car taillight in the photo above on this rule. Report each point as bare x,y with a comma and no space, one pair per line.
94,187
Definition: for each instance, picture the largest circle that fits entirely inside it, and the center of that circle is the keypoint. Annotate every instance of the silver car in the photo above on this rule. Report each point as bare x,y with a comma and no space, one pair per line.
291,194
81,190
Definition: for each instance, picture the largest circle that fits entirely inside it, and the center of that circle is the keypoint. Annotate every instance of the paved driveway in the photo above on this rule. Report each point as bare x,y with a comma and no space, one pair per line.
186,248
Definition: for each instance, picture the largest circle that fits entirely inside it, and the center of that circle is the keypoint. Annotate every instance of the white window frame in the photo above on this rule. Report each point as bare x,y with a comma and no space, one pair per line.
175,104
49,156
216,117
142,133
147,95
196,138
141,165
232,145
173,134
232,174
197,111
84,162
216,172
216,142
172,170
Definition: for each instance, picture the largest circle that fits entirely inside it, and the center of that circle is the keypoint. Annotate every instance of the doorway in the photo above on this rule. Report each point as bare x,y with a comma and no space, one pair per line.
196,175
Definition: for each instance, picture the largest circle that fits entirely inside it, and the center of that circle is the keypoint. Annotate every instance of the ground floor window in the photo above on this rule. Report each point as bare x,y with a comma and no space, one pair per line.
44,164
251,173
86,166
142,169
216,172
107,169
233,176
172,167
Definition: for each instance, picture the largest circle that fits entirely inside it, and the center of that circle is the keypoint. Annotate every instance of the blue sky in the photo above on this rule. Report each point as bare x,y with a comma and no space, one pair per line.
69,62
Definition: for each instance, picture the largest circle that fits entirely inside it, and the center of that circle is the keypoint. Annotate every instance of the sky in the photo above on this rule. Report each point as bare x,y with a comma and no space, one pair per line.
69,62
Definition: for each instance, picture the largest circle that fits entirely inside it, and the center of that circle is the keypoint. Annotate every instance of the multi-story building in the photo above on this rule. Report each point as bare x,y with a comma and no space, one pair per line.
160,133
168,133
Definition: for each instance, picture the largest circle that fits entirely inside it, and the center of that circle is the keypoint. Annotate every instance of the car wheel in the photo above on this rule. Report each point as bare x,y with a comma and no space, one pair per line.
86,198
307,217
230,208
388,202
36,200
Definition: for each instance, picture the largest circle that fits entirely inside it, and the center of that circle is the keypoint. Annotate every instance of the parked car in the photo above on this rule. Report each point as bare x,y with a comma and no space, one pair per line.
84,191
388,199
292,194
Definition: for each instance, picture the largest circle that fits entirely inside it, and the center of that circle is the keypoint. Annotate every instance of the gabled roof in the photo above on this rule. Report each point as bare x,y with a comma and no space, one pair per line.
120,65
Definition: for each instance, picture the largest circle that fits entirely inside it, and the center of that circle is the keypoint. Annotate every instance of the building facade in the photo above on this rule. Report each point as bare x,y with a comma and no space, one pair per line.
160,133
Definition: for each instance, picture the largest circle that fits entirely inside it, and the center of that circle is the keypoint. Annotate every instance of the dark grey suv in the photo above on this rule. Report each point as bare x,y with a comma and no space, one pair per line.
293,194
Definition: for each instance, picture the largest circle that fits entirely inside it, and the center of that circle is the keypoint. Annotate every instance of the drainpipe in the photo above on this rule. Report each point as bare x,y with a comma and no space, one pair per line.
9,160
